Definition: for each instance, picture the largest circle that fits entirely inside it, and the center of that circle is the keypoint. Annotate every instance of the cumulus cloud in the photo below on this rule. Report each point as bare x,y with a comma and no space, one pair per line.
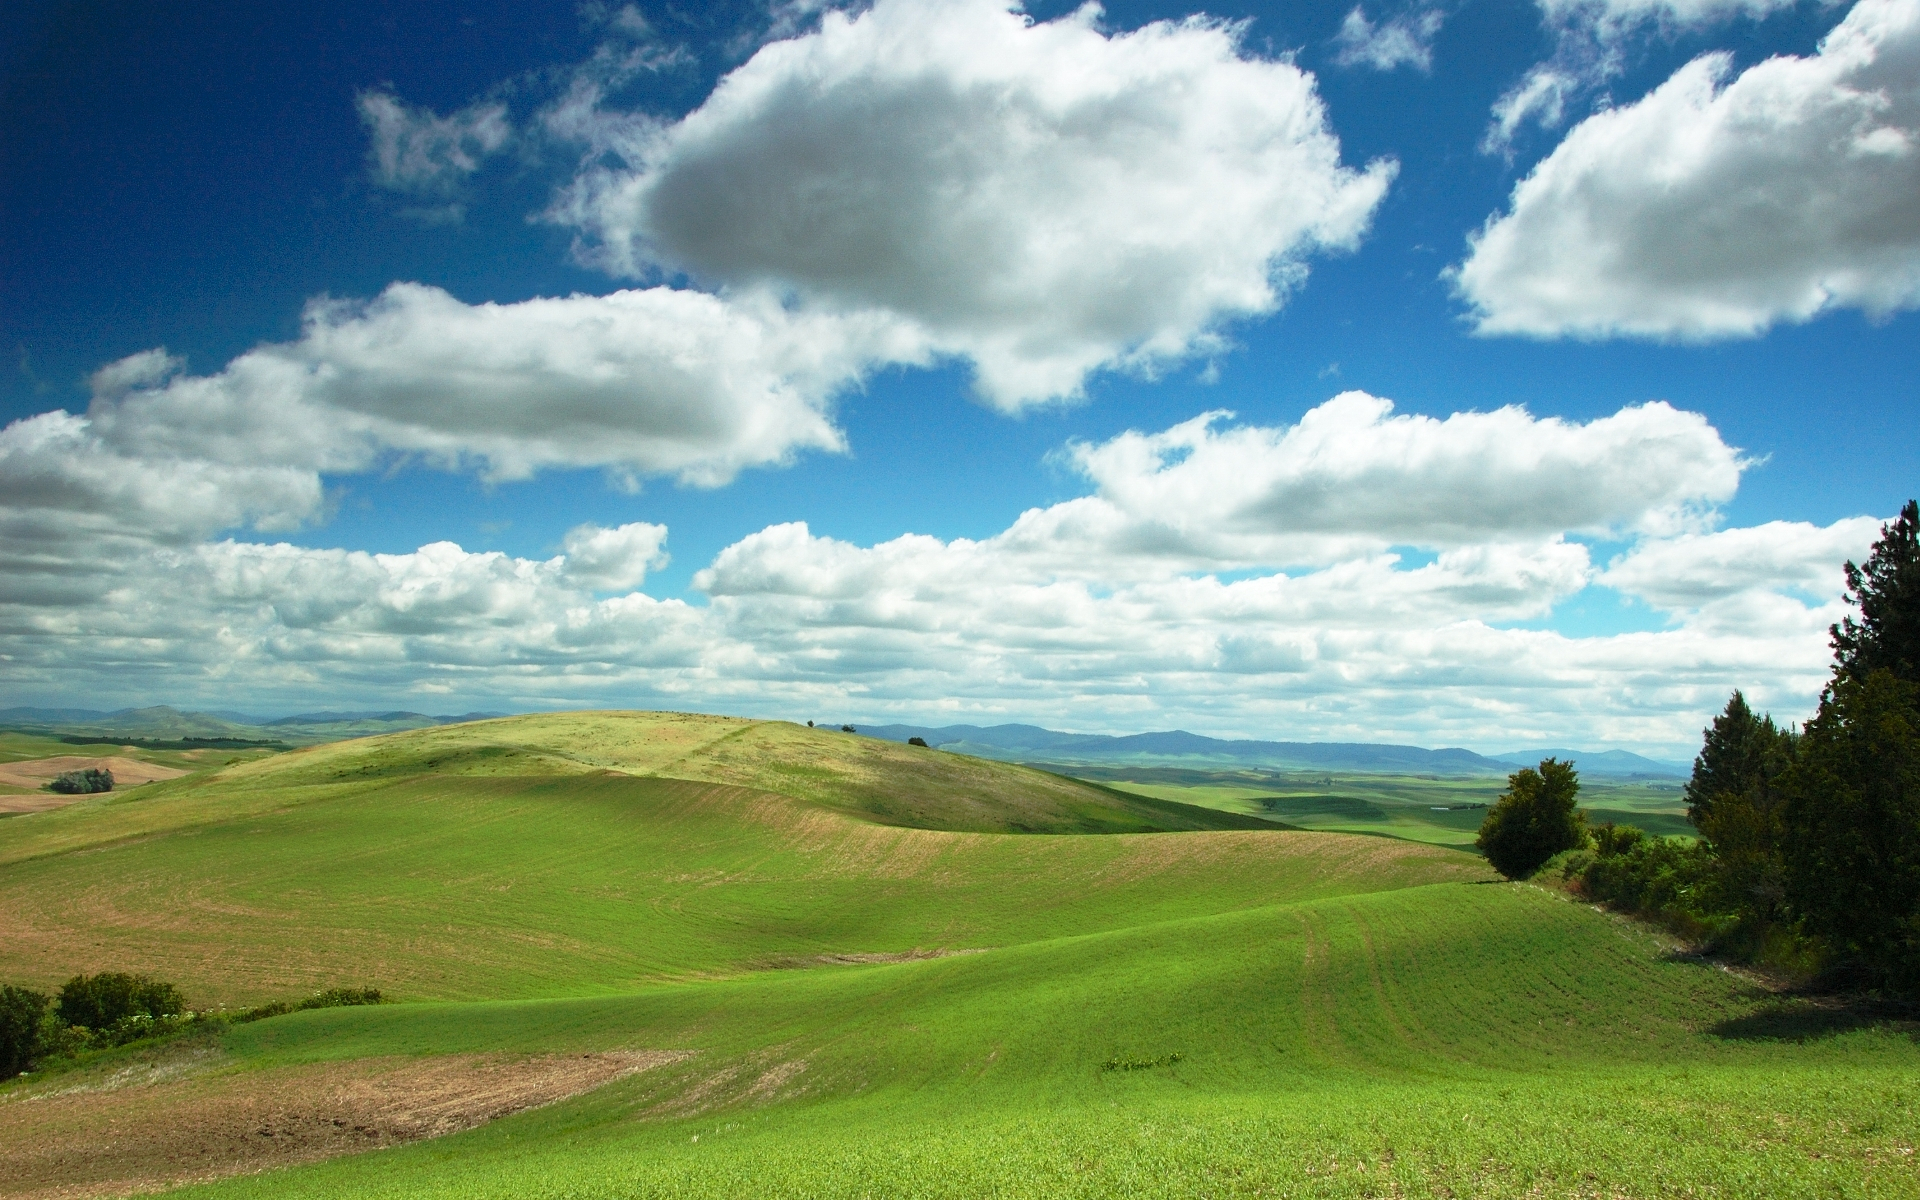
1039,197
1694,570
1352,476
1406,40
654,382
638,383
614,560
1114,609
1717,207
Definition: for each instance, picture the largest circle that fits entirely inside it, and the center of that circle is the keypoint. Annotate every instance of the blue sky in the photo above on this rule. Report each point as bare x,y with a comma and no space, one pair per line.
922,268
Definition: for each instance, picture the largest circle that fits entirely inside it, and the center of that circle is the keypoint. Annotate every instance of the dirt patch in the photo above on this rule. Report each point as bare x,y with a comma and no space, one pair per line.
36,772
151,1127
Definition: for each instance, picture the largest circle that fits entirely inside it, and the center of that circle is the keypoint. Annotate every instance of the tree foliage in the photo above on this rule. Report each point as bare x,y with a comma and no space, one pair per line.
1852,825
1533,820
1734,799
20,1014
83,782
97,1002
1887,591
1740,755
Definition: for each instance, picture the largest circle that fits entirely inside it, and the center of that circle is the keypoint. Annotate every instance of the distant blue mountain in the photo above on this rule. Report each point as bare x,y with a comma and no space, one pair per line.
1613,763
163,722
1178,748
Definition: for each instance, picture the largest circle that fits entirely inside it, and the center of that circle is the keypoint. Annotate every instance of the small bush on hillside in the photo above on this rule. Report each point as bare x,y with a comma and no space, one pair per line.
917,741
83,783
340,997
1533,820
99,1002
21,1012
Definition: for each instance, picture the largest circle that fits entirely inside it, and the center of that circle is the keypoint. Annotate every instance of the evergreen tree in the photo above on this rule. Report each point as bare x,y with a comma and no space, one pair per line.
1740,755
1887,589
1533,820
1852,821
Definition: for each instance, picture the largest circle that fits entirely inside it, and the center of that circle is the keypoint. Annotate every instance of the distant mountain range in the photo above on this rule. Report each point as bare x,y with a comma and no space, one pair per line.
162,723
1177,748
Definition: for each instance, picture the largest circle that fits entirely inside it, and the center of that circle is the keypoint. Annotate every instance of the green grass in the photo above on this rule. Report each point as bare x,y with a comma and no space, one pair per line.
1352,1016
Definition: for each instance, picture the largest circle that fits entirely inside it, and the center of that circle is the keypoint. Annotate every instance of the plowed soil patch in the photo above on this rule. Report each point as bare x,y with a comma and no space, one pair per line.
36,772
124,1138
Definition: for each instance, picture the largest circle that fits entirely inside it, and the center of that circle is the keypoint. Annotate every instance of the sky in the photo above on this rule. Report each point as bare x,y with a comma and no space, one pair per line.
1487,374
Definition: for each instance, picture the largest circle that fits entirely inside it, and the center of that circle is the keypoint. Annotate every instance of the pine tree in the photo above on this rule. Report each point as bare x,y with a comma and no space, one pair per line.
1740,755
1887,590
1852,814
1852,820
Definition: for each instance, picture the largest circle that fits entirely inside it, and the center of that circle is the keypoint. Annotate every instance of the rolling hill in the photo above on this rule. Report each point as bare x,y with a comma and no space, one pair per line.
857,975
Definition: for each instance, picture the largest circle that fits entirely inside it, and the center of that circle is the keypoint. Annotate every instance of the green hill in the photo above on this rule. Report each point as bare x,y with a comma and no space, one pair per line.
1205,1011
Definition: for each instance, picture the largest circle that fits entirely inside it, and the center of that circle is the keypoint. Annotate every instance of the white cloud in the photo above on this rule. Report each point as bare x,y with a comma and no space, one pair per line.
1039,197
1615,18
1117,609
1714,209
653,382
1406,40
1592,37
1694,570
639,383
419,153
1350,476
614,560
1541,97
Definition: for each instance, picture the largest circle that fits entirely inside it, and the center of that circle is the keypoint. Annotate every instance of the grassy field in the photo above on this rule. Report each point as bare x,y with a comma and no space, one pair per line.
1440,811
1199,1012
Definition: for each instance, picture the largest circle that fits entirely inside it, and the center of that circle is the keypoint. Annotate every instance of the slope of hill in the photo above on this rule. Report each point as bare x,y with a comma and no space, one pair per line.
850,1001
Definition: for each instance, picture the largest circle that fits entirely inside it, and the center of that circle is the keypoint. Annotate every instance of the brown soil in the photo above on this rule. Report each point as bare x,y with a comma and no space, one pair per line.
162,1125
35,772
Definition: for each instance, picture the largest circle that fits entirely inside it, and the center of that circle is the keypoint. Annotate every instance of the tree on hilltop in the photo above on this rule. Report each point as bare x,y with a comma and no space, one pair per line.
1734,799
1740,755
1533,820
1887,591
1851,818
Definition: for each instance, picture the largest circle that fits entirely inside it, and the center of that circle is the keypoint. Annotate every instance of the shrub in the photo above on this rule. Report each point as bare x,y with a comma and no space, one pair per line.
1533,820
917,741
1652,875
83,783
341,997
98,1002
1610,839
21,1012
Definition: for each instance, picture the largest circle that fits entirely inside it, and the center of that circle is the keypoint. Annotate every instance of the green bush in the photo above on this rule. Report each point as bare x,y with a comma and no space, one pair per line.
99,1002
21,1012
1652,875
83,783
1533,820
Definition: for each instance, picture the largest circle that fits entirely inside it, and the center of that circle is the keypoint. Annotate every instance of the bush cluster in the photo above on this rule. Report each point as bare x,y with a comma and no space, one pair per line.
84,782
97,1012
